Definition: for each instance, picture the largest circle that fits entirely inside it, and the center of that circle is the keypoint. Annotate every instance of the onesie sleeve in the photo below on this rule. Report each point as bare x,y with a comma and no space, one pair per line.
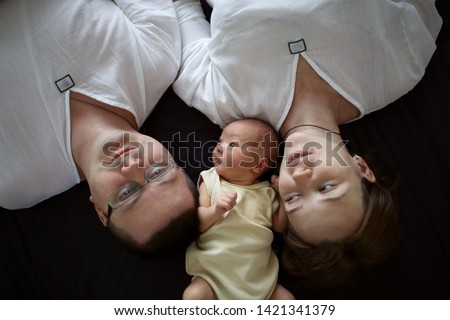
209,178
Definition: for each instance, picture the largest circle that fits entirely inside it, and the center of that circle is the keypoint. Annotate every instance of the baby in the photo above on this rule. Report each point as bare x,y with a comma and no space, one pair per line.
233,257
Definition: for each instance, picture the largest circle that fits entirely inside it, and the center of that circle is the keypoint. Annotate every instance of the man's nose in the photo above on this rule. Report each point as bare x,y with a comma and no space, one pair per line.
133,169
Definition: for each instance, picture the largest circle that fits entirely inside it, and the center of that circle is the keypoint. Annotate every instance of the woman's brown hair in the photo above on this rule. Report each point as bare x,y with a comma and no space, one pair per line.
348,261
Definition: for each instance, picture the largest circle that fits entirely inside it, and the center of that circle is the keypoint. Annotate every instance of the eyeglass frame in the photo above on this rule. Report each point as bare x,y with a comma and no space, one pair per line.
172,164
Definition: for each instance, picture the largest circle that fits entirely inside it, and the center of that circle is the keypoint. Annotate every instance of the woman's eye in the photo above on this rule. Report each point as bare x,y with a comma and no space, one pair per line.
293,197
326,187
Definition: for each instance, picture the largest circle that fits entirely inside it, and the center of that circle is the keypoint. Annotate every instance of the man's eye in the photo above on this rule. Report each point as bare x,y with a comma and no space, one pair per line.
154,172
127,191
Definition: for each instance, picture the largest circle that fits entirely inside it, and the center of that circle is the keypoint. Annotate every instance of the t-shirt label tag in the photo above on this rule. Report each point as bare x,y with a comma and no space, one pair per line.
297,46
65,83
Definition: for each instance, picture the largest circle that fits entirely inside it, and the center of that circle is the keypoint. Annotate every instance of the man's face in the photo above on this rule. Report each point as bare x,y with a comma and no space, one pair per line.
123,161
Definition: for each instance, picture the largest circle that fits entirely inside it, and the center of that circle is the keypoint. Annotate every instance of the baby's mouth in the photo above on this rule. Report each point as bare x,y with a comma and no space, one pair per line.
217,160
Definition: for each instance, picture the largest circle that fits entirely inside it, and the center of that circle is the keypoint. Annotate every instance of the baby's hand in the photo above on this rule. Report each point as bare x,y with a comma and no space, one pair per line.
225,203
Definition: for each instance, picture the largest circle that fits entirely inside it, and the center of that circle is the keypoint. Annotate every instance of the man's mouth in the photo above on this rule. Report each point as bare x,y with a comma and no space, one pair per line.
121,153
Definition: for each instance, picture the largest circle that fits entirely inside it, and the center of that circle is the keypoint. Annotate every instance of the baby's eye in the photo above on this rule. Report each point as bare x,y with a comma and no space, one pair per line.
233,144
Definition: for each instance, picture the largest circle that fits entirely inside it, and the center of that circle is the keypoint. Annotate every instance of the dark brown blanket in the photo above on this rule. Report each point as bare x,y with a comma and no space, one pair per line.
59,250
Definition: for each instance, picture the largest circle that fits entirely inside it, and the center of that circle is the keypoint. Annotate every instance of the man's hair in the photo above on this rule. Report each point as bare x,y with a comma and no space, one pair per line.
177,235
350,261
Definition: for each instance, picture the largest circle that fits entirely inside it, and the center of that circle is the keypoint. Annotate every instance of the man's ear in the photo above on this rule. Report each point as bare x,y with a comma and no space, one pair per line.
366,172
261,166
101,215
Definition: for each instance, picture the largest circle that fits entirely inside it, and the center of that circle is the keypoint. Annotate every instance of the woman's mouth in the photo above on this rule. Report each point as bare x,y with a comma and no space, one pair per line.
294,158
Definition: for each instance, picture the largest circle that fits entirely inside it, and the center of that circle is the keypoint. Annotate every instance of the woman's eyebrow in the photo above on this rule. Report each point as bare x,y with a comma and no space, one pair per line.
333,197
291,210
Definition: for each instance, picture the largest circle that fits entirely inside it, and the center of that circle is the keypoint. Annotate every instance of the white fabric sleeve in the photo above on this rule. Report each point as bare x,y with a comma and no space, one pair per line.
197,75
193,24
155,23
427,11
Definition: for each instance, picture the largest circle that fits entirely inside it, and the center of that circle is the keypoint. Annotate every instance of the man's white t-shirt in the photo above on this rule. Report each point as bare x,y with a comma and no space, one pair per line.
123,53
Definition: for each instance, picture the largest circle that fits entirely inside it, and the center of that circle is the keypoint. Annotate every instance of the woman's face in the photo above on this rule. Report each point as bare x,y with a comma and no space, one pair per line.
320,186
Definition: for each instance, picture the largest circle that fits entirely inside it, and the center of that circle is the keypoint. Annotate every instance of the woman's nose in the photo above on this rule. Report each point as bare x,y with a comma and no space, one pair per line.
302,172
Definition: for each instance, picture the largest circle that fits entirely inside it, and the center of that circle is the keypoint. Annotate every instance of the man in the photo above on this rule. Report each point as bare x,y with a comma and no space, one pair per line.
78,79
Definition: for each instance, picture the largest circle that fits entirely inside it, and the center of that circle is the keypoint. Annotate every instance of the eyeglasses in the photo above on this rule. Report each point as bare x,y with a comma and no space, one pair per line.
131,190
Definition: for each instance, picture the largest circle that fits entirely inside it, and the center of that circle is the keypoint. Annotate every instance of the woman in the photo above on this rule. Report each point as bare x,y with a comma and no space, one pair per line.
307,67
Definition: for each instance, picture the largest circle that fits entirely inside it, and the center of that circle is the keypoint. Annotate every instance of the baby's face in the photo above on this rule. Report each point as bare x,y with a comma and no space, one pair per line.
239,151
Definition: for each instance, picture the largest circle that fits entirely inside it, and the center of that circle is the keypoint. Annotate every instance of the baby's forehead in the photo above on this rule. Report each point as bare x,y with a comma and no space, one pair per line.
249,128
246,134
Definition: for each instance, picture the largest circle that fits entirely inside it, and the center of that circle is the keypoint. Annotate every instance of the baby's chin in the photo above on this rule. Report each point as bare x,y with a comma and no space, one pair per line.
219,166
221,170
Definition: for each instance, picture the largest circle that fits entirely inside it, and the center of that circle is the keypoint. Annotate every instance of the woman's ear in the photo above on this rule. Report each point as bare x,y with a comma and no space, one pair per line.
100,213
366,172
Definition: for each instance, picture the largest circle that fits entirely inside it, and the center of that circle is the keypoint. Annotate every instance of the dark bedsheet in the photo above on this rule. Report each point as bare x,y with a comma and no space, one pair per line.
59,250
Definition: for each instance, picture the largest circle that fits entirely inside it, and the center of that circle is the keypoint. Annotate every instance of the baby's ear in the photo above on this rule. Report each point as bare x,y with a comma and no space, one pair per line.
261,167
